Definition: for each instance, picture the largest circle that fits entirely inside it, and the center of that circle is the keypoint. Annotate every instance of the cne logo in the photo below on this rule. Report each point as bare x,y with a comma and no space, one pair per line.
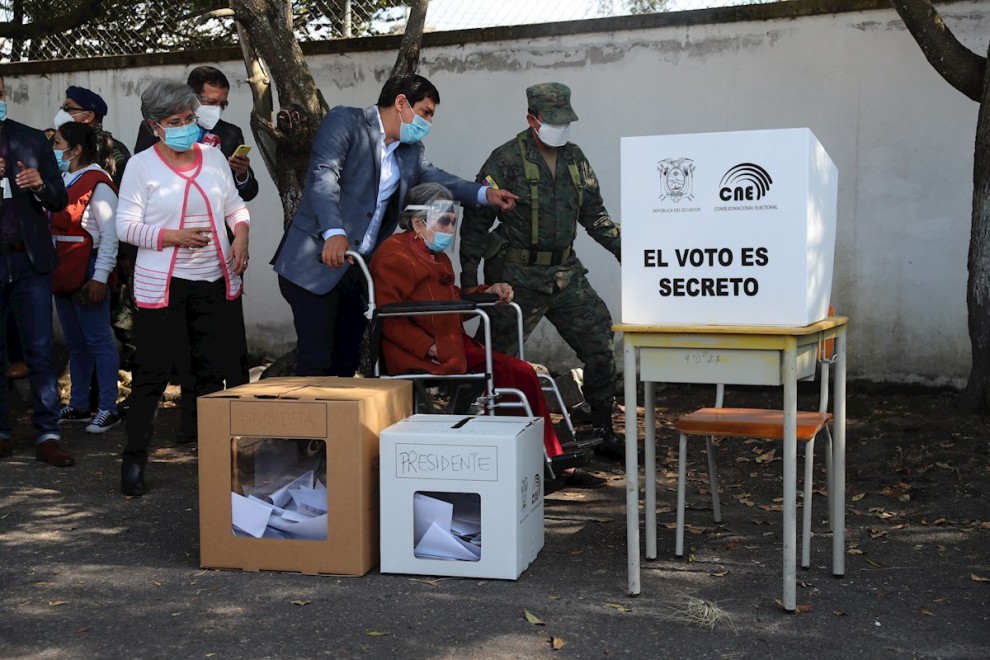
676,179
745,182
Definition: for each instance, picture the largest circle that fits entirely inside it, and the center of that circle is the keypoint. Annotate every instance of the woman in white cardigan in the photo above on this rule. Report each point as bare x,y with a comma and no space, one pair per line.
174,201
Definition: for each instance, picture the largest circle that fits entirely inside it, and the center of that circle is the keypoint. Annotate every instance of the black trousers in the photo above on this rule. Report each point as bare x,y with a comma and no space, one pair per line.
196,316
329,327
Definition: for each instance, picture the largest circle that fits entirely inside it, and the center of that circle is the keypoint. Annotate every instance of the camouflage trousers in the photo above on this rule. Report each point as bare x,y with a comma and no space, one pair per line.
583,321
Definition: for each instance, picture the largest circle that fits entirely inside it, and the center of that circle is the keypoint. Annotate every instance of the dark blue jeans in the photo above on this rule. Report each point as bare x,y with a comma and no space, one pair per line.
27,295
329,327
87,332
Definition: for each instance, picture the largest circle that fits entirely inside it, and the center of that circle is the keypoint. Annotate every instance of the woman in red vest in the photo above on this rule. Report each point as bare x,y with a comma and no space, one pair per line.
86,243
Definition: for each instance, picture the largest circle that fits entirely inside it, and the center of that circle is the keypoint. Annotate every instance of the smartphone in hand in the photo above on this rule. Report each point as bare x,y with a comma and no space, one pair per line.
242,150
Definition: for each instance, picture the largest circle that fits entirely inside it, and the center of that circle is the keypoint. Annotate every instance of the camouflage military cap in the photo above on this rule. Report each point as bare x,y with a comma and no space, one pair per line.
553,101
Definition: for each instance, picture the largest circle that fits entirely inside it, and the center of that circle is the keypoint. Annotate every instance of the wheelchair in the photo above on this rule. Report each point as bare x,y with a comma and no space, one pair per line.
475,392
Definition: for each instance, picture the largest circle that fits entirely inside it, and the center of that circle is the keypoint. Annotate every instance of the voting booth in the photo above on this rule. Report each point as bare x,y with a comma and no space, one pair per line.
288,473
461,496
727,228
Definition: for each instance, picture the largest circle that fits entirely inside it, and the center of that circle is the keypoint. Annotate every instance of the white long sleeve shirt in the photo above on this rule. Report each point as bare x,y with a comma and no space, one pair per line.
155,197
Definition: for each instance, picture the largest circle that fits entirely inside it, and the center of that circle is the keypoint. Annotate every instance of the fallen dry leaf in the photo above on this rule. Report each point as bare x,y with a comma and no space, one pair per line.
857,497
839,613
301,602
616,606
532,618
82,630
56,603
556,643
925,612
376,633
719,574
854,551
803,608
976,578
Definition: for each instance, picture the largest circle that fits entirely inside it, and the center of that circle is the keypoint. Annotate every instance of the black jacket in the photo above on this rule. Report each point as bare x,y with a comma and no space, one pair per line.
230,137
31,147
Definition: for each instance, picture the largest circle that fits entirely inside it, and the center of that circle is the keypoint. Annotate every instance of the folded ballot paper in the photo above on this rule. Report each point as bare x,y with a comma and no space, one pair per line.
447,526
282,496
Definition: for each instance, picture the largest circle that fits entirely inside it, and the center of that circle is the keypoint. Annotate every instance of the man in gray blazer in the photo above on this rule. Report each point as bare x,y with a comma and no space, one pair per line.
363,162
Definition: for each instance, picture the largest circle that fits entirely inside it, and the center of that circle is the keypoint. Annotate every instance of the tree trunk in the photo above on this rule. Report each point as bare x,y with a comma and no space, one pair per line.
285,143
412,39
969,73
976,396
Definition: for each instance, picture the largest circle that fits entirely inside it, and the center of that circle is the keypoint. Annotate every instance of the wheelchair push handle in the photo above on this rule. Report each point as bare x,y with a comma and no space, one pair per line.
363,265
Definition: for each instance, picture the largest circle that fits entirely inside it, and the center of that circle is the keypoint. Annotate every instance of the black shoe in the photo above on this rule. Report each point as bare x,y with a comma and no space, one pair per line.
132,478
610,445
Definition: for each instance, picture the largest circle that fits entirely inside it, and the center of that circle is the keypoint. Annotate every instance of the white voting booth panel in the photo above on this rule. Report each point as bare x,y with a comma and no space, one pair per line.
727,228
461,496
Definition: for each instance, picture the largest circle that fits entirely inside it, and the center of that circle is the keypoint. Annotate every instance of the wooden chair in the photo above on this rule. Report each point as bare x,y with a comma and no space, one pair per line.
763,424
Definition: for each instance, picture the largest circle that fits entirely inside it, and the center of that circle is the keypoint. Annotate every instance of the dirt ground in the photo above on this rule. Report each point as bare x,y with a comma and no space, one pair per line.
85,572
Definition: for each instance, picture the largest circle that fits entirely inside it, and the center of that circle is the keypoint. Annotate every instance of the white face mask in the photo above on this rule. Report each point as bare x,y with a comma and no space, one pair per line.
208,116
553,135
62,117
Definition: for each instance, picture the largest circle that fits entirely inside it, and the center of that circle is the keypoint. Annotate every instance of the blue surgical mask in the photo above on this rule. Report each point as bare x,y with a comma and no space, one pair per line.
63,165
414,131
3,110
181,138
440,242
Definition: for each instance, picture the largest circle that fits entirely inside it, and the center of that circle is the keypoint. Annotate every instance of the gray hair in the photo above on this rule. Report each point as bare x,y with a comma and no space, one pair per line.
422,195
167,97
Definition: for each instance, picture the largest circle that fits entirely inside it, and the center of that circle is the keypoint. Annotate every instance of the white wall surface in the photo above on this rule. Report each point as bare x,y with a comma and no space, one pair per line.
901,137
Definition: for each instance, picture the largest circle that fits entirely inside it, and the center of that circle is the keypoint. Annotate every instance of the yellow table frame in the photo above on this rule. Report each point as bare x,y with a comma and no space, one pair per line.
733,355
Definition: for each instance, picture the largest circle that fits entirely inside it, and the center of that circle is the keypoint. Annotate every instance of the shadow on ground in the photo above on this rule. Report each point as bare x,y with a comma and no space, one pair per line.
85,572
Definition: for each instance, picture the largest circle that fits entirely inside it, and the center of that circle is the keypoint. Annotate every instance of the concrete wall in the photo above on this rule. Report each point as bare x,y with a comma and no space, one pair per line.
901,137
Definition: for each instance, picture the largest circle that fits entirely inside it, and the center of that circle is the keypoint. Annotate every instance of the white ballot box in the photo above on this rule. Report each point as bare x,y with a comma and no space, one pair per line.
288,473
727,228
461,496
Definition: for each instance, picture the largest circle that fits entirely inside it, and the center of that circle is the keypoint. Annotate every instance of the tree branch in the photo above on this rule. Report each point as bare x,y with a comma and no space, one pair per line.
407,60
959,66
82,14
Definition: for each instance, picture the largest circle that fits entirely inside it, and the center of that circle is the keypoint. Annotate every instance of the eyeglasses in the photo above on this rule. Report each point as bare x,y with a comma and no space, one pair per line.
206,101
178,123
71,109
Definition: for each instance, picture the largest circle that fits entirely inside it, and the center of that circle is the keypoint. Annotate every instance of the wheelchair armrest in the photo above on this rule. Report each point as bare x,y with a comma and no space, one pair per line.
480,298
426,307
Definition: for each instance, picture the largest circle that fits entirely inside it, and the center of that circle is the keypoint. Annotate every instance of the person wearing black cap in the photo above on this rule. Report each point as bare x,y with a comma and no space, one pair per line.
533,246
88,107
31,187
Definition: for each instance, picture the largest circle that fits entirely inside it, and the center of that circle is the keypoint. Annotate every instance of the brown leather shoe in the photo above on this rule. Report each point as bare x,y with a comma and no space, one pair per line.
52,453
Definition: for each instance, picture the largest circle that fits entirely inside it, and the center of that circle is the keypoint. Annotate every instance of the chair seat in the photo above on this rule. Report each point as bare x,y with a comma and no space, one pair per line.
750,423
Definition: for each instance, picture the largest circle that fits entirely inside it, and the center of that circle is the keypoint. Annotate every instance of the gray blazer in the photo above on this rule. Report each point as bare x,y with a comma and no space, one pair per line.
341,192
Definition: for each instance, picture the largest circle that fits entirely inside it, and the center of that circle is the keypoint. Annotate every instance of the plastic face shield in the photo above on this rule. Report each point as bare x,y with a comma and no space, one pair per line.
440,216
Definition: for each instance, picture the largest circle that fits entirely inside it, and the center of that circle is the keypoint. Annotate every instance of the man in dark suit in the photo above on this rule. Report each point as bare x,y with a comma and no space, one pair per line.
32,185
363,162
212,89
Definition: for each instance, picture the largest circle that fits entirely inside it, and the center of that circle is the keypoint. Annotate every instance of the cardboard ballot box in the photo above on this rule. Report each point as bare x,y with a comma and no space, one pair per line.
461,496
727,229
288,473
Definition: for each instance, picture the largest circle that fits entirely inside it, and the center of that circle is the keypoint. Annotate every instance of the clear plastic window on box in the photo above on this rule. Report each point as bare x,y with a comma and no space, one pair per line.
447,526
279,488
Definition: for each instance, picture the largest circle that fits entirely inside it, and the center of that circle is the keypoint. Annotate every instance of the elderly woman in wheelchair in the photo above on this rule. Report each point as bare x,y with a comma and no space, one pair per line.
412,266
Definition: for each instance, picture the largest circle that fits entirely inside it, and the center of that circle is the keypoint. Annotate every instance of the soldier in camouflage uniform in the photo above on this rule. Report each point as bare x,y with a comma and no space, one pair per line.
533,246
